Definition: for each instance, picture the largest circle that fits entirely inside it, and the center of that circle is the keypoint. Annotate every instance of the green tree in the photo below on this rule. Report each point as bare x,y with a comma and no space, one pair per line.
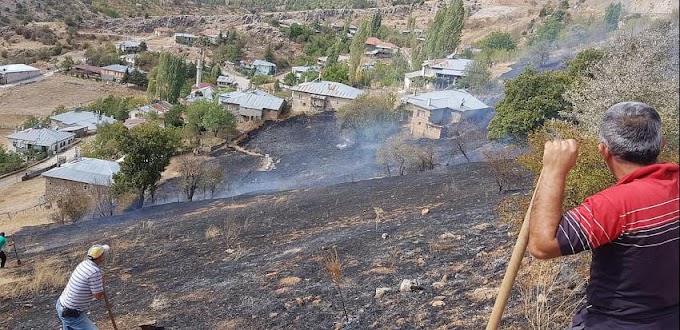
167,79
584,60
277,86
498,41
9,161
338,72
147,149
530,99
67,63
143,47
476,78
138,79
356,51
612,14
126,77
376,22
108,143
217,119
290,79
174,116
33,121
269,54
444,33
368,111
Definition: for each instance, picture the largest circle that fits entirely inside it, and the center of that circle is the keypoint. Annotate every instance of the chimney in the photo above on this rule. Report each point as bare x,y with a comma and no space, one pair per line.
429,102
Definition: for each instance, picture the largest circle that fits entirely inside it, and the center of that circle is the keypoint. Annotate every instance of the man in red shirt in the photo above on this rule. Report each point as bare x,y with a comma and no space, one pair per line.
631,228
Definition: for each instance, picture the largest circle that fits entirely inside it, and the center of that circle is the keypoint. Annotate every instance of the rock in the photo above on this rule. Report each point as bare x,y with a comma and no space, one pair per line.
438,298
385,235
400,321
438,285
450,235
229,251
273,314
289,281
27,306
380,292
438,303
424,211
338,325
409,285
299,301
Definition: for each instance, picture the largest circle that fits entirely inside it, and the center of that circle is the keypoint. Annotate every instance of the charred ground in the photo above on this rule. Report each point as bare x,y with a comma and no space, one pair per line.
254,262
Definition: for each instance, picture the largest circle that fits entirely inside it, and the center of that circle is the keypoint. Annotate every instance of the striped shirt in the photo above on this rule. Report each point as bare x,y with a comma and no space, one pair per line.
85,281
632,229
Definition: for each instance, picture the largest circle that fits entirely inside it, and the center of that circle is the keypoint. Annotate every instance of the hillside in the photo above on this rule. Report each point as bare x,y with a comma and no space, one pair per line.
254,262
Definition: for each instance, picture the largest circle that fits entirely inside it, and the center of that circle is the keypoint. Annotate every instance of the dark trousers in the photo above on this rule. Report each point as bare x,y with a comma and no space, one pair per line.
3,258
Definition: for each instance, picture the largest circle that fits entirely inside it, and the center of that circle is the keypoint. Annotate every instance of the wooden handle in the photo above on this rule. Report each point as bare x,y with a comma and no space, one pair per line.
108,309
513,268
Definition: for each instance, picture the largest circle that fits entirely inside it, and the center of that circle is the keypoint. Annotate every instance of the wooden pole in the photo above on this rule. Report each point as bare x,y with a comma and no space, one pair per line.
513,268
108,309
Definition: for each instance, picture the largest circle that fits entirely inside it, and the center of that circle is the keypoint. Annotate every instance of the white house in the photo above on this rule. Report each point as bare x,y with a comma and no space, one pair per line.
12,73
47,140
445,72
79,118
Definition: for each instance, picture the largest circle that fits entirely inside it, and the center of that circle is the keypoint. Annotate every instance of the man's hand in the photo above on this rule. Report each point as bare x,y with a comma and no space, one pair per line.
559,156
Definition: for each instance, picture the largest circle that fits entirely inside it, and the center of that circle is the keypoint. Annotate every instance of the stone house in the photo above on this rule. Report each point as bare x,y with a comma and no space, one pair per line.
163,32
87,71
319,96
252,105
13,73
433,112
116,72
82,175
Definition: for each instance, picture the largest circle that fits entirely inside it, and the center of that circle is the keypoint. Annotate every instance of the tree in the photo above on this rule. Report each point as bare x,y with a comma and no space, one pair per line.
9,161
376,22
498,41
126,77
530,99
67,63
634,68
463,135
290,79
444,33
269,54
143,47
584,61
368,111
217,119
502,168
108,143
476,78
356,51
277,86
72,205
612,14
167,79
338,72
138,79
191,170
147,149
174,116
396,154
213,176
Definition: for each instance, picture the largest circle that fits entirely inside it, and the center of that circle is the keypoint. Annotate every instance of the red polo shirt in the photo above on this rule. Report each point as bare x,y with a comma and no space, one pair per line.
632,230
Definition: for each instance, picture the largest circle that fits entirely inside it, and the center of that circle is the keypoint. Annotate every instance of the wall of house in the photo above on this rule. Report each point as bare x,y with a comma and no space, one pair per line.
112,75
23,146
55,188
302,102
12,77
421,126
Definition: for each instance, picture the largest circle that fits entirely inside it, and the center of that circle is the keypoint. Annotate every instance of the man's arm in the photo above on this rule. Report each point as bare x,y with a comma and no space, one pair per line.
98,295
559,157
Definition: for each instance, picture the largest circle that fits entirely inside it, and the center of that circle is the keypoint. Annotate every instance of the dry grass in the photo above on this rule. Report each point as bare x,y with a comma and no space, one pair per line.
212,232
44,276
552,291
333,268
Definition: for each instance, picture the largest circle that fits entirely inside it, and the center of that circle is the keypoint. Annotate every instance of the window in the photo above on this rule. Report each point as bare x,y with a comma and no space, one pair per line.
84,187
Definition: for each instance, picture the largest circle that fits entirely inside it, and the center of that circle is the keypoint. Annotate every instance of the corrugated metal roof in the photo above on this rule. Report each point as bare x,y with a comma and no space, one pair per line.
86,170
121,68
12,68
41,136
255,99
458,100
449,63
83,118
88,68
328,88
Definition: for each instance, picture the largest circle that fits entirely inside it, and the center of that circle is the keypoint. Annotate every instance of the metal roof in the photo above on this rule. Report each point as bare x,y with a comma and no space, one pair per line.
86,170
185,35
449,63
13,68
255,99
83,118
41,136
121,68
455,99
328,88
262,63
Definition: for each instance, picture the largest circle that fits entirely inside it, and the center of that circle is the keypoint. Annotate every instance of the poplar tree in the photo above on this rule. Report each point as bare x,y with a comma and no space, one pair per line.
356,51
444,33
166,79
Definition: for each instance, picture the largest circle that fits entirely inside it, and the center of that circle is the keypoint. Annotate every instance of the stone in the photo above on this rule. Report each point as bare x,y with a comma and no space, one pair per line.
229,251
385,235
273,314
438,303
424,211
380,292
409,285
438,285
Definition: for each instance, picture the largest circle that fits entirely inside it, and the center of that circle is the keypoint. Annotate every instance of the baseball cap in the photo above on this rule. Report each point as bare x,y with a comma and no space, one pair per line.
97,250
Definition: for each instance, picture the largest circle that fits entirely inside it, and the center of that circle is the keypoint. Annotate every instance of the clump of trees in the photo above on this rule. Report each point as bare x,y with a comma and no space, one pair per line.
115,106
9,161
167,80
369,114
209,116
443,35
198,172
400,155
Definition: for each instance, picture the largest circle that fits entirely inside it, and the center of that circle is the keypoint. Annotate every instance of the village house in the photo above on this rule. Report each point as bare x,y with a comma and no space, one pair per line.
47,140
252,105
264,68
442,72
226,81
298,71
318,96
213,36
82,175
323,60
160,108
128,46
133,122
13,73
202,91
433,112
378,48
80,120
163,32
185,38
116,72
129,59
87,71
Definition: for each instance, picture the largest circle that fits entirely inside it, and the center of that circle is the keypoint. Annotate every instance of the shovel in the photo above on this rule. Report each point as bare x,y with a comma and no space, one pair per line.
16,254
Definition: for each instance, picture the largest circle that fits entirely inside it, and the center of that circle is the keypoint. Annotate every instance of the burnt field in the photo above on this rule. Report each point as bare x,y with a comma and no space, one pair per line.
255,262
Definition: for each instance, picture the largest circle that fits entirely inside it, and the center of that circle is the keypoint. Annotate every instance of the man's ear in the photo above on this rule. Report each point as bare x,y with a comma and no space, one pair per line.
604,151
663,143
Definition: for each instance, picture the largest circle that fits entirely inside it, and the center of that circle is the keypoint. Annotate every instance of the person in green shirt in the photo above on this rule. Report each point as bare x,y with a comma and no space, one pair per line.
3,256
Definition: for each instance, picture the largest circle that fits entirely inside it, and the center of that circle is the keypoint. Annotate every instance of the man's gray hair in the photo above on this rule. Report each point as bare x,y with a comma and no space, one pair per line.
632,131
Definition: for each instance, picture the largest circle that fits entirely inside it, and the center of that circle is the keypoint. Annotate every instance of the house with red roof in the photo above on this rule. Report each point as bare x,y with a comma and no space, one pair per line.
378,48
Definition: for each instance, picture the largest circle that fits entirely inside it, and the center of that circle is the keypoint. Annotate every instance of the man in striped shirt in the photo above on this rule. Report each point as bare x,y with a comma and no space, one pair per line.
631,228
86,283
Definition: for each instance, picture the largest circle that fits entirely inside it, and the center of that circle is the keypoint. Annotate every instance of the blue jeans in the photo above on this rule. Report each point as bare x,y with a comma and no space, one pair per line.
75,323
